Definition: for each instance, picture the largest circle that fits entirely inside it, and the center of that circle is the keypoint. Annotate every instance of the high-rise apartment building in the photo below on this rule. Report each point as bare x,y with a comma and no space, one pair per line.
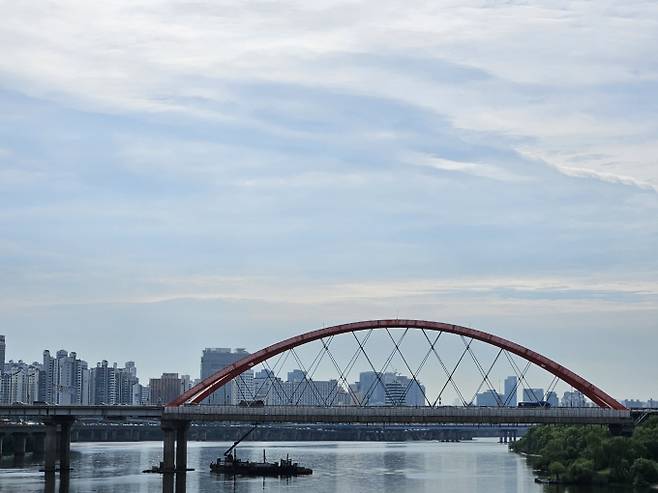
3,348
102,384
20,383
213,360
63,379
70,379
47,382
124,381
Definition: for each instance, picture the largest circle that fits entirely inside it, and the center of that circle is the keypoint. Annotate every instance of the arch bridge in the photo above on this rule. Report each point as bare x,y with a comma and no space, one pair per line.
270,388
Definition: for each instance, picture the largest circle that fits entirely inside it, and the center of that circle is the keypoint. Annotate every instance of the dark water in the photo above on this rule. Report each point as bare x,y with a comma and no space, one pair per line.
479,466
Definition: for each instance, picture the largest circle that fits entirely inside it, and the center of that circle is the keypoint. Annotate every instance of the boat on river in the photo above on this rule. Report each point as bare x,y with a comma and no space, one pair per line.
231,465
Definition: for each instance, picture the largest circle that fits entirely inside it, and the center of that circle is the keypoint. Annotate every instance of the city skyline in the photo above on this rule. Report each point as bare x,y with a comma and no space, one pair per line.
91,385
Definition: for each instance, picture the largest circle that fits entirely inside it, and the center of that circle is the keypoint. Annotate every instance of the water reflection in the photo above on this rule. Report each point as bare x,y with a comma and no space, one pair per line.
410,467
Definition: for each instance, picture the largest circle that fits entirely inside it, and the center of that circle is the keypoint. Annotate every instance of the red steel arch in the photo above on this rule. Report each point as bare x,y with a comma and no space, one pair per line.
208,385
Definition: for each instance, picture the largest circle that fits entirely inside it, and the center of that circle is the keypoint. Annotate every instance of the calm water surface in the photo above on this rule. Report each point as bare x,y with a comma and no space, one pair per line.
479,466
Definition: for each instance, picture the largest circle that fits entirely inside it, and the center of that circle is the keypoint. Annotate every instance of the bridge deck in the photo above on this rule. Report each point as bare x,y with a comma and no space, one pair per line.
483,415
308,414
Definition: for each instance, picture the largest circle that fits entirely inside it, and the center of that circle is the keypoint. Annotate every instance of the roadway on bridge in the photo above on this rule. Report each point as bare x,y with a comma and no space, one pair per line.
340,414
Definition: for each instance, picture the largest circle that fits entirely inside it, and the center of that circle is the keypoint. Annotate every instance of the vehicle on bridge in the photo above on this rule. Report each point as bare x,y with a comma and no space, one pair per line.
534,404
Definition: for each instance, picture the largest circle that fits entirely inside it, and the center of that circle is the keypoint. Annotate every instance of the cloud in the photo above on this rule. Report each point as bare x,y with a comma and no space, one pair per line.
319,160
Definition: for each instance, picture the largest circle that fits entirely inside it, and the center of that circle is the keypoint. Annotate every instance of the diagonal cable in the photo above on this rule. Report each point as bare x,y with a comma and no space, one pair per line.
303,368
384,368
413,375
343,374
308,374
485,376
499,402
269,377
519,374
448,374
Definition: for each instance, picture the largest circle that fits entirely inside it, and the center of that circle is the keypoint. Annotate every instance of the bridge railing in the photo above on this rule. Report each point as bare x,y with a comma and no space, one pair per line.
445,414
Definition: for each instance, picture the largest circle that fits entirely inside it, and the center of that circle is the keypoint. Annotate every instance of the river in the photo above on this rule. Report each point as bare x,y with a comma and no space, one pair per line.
482,465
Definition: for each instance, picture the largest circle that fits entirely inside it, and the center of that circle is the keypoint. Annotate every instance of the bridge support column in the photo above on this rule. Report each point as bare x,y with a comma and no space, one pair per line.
1,440
182,428
169,430
38,443
50,447
19,444
65,445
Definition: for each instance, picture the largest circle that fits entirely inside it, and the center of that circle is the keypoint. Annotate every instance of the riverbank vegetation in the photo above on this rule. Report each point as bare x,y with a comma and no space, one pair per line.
591,455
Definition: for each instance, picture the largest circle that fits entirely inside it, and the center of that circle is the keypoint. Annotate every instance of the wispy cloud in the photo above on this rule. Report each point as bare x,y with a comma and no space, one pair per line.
311,160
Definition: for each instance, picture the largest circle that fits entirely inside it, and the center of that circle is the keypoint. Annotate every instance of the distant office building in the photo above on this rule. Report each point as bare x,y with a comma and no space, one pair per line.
489,398
297,390
296,376
371,389
402,391
533,395
573,399
511,386
165,389
187,382
389,389
140,395
215,359
552,399
242,388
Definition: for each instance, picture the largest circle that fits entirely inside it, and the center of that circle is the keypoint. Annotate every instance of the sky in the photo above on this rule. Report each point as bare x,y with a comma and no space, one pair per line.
179,175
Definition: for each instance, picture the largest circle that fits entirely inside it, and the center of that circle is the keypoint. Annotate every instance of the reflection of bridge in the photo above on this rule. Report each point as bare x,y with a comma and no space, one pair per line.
176,417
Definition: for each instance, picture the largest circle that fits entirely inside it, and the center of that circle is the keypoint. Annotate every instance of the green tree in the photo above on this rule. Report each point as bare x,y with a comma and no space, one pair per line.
581,471
556,469
644,472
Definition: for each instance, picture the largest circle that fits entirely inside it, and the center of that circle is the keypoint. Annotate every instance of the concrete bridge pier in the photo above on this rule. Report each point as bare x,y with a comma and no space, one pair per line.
20,440
55,448
174,454
38,443
65,445
181,445
169,441
50,447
